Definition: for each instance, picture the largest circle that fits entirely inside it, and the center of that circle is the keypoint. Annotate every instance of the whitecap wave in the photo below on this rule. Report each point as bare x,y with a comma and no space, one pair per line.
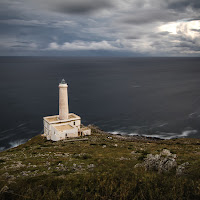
164,124
6,136
22,124
118,133
2,148
165,136
193,115
188,132
11,129
161,135
16,143
132,134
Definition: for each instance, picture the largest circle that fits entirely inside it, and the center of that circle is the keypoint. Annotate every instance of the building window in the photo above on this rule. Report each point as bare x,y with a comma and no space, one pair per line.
74,123
66,135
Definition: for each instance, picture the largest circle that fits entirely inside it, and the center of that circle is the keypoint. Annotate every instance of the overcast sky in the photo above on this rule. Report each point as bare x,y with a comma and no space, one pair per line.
100,27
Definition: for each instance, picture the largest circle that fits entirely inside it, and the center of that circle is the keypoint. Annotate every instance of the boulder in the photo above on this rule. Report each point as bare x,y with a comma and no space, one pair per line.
181,168
163,162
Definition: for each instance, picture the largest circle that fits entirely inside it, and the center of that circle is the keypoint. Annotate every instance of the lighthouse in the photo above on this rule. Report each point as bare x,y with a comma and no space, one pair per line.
65,125
63,100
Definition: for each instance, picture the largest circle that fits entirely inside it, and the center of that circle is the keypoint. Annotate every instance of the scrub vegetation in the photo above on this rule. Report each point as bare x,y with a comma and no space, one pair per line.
103,167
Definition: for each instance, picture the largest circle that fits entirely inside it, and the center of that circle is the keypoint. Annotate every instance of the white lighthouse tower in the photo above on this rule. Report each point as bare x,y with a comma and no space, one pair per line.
63,101
64,125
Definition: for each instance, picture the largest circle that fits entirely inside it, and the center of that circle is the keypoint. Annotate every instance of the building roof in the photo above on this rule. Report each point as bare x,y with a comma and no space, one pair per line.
63,127
85,128
55,119
52,118
71,116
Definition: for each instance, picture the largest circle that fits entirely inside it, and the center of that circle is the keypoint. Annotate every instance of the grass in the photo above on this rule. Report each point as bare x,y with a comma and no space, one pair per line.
99,168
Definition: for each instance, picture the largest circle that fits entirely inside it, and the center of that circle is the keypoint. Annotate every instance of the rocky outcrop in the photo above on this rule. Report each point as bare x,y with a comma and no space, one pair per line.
163,162
181,168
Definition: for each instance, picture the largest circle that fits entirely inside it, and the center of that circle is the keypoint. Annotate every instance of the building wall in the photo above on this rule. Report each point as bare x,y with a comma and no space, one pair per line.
71,133
56,135
86,132
76,123
47,129
53,134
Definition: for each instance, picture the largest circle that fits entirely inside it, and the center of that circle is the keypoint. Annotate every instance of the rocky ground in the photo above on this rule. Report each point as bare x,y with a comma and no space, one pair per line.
102,166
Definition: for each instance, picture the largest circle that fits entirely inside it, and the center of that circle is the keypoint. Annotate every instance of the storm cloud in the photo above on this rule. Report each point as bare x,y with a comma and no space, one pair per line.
80,6
150,16
127,27
183,4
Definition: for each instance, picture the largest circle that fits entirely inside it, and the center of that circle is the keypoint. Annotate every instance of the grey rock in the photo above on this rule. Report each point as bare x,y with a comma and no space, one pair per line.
122,158
91,166
133,152
139,165
165,152
181,169
163,162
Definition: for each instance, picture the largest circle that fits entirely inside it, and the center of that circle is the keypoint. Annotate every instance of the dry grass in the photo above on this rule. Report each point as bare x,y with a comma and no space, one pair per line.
100,168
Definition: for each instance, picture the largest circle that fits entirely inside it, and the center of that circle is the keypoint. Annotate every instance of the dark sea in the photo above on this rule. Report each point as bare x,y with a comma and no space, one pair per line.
158,97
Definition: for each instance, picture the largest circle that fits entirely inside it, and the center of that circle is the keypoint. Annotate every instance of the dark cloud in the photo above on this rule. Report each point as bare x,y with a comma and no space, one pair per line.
149,16
132,37
189,45
81,7
175,43
184,4
150,27
149,35
157,35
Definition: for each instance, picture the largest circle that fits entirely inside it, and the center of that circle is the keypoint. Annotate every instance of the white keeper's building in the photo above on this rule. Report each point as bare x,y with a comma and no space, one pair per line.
64,125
